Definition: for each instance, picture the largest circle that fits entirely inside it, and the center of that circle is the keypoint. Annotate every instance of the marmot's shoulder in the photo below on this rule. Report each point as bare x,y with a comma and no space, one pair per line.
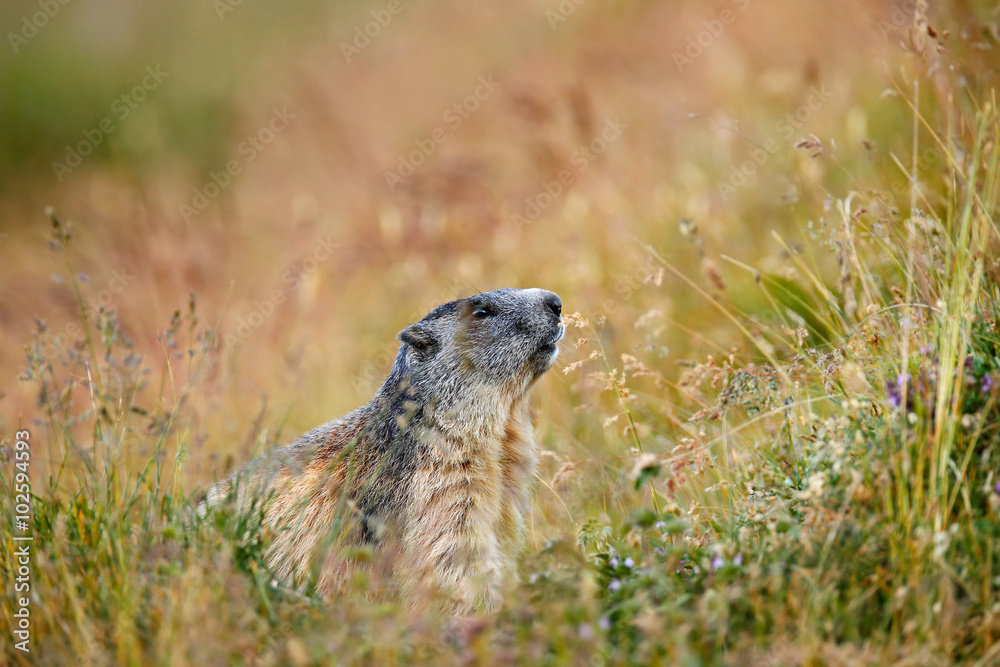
333,436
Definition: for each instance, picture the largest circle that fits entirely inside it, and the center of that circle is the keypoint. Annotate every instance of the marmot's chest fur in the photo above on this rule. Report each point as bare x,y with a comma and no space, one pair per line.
437,468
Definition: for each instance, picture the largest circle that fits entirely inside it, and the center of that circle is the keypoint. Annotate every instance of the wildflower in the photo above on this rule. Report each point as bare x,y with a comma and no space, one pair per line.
645,464
738,560
604,623
987,385
717,562
942,540
629,563
585,632
895,389
614,561
614,585
816,483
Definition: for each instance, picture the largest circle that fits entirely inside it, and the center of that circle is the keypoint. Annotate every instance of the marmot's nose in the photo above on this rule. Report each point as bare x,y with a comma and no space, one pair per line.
553,303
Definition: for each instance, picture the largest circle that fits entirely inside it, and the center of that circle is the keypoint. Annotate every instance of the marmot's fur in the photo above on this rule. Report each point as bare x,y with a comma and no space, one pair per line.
438,465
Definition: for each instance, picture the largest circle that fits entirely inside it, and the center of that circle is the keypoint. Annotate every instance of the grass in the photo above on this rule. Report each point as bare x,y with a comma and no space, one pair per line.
766,444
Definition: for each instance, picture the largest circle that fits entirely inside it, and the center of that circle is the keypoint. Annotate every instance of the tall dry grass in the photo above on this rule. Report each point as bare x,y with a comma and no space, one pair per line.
772,438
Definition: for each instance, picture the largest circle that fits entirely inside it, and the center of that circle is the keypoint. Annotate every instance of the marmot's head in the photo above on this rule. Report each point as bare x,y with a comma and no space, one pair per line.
501,340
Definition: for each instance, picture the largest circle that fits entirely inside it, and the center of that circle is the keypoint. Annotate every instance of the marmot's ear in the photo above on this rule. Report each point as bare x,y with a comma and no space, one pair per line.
421,339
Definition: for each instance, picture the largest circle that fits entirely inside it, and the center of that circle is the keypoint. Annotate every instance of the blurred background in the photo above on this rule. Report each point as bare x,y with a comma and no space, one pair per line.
320,174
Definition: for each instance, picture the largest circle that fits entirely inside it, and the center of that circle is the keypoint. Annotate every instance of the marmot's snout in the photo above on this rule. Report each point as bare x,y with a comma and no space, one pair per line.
553,303
548,349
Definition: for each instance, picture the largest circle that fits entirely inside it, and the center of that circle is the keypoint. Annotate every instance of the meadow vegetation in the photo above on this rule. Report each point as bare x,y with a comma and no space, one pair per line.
772,435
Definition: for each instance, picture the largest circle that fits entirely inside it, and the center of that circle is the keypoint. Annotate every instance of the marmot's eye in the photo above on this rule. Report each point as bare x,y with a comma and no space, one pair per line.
481,312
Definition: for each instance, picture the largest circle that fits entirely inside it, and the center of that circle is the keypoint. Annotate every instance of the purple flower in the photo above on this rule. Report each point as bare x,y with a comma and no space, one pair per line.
614,561
996,489
614,585
895,400
717,562
738,560
603,623
629,563
987,385
895,389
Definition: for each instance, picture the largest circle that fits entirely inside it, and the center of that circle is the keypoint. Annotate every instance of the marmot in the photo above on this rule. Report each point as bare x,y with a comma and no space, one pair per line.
439,464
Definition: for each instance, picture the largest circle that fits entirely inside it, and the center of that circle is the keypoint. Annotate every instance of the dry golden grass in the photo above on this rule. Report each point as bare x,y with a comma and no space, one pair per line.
682,272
